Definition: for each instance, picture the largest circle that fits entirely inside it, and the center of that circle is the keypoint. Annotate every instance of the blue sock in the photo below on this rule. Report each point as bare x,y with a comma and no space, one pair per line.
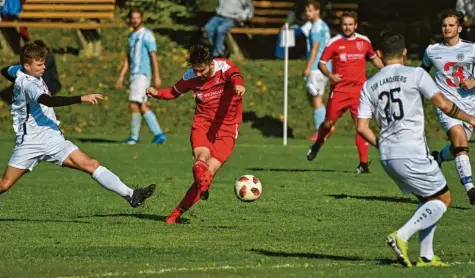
152,123
319,116
135,125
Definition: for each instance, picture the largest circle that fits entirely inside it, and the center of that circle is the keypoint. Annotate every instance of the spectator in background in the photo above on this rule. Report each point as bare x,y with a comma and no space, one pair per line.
10,12
228,14
467,7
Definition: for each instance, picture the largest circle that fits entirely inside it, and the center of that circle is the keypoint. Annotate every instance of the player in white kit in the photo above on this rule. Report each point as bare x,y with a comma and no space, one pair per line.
38,137
453,60
394,97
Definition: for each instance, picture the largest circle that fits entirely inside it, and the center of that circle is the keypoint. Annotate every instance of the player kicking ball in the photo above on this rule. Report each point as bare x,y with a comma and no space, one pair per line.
38,137
394,96
219,87
453,60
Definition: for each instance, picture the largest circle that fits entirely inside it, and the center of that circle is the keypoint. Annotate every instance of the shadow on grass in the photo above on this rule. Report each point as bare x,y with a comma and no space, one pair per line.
42,220
96,140
290,170
319,256
143,216
384,199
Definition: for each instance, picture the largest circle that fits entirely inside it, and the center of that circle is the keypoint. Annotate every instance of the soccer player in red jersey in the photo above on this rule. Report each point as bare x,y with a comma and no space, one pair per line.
219,86
348,52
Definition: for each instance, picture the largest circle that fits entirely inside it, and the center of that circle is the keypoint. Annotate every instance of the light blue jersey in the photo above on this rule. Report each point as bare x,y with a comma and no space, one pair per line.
141,43
319,33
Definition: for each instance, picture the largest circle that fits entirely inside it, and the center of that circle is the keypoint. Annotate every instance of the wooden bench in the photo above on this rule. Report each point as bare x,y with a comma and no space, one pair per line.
86,16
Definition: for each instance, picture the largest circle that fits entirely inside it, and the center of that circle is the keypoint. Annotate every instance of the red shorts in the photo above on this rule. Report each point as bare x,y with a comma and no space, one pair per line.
218,138
338,103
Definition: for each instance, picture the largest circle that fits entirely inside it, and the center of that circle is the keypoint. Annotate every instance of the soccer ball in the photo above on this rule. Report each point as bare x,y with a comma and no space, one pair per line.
248,188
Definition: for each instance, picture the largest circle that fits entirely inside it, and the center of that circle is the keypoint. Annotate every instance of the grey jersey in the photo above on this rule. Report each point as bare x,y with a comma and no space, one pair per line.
452,65
394,97
30,117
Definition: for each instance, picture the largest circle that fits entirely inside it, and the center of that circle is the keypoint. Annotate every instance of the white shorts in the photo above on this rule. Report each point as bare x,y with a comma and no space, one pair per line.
448,122
316,83
48,146
420,176
138,85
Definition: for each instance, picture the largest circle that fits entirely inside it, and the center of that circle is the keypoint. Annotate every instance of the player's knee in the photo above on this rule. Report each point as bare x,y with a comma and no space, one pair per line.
461,150
203,156
329,124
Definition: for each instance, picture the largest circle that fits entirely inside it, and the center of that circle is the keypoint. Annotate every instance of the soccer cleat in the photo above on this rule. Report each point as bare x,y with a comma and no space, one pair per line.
471,195
205,181
130,141
313,151
140,194
172,219
362,168
436,261
399,247
159,139
436,154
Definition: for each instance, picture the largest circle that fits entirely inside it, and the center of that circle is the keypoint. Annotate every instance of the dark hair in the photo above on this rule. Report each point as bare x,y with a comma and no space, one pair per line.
351,14
199,54
32,51
136,10
391,44
313,3
453,13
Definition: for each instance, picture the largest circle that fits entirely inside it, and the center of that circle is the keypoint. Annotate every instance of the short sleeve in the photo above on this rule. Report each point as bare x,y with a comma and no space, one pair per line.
425,59
150,43
33,91
365,109
370,54
327,53
316,36
12,71
426,85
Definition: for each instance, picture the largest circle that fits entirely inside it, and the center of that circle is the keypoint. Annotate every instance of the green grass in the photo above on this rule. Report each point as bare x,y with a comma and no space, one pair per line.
313,219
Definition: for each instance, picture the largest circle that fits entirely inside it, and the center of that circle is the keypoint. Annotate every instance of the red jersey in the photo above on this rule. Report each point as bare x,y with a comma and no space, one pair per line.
348,57
215,99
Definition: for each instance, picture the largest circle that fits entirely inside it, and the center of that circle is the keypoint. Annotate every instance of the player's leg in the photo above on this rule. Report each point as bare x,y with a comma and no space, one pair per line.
423,178
335,108
150,118
80,161
10,177
135,123
361,144
315,89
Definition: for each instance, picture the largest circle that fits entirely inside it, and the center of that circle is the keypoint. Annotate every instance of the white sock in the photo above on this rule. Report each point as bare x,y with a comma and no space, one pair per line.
445,155
426,239
426,216
462,164
111,182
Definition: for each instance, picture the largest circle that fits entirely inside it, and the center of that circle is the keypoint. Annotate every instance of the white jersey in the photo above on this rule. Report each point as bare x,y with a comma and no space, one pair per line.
393,96
453,64
30,117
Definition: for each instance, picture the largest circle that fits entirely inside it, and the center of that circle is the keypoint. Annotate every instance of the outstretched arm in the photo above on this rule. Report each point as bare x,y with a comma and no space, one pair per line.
57,101
365,131
167,93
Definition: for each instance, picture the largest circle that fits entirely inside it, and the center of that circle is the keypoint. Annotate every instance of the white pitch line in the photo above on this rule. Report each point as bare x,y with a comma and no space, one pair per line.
186,269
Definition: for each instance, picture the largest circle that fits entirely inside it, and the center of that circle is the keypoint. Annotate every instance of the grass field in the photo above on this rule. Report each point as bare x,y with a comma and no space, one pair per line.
314,219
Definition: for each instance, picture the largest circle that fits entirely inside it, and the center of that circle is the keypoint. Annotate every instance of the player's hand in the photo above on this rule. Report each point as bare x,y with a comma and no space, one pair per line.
467,84
157,82
335,78
151,92
239,90
119,84
307,71
92,98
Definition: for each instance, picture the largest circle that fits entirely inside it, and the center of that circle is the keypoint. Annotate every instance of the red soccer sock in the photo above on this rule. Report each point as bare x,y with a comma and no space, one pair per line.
191,197
202,175
363,148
